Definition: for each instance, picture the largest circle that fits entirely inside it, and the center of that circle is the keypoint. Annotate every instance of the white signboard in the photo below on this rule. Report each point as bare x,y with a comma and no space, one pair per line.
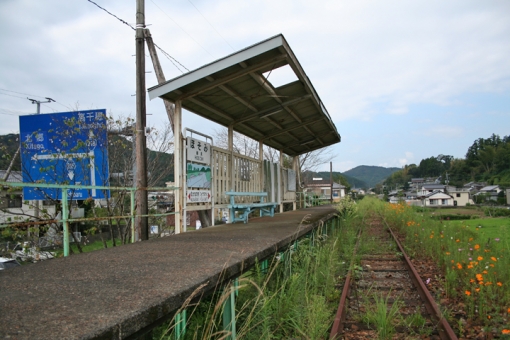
198,151
198,196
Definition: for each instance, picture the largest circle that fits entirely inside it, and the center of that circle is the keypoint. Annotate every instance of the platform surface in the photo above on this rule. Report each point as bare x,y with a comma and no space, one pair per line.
113,293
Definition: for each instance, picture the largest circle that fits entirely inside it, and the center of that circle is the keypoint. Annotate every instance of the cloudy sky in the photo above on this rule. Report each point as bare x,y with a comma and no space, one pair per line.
402,80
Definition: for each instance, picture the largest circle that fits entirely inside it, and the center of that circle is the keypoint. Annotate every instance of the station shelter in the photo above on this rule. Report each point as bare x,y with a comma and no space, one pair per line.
236,92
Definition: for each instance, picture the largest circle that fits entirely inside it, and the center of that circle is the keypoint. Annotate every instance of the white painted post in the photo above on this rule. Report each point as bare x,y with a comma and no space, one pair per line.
178,167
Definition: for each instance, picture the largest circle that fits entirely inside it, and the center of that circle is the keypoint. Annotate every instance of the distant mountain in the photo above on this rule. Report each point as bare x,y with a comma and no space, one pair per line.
371,175
353,182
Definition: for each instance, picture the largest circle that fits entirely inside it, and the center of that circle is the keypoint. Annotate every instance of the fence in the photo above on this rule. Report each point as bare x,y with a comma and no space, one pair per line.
65,218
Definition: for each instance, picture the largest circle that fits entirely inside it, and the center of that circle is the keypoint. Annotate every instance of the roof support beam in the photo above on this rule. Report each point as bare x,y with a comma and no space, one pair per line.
273,109
294,127
230,77
211,108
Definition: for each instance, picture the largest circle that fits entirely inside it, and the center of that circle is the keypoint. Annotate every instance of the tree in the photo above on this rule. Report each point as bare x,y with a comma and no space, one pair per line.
120,156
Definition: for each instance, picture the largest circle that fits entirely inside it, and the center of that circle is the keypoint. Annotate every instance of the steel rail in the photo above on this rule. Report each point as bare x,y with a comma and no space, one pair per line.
338,324
445,331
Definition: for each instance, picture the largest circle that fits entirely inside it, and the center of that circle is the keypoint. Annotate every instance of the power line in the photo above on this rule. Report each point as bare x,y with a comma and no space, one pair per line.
172,59
31,95
182,28
113,15
214,28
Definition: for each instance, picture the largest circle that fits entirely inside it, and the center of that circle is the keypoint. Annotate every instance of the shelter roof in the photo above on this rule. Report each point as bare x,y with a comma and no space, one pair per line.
233,91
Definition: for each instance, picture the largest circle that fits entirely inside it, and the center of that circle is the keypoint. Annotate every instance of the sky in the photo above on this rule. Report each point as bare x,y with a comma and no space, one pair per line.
401,80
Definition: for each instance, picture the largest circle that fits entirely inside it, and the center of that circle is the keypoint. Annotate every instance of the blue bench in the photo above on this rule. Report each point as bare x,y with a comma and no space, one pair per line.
266,208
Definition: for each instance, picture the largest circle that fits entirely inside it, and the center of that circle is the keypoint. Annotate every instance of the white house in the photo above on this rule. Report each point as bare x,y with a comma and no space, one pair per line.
437,199
460,197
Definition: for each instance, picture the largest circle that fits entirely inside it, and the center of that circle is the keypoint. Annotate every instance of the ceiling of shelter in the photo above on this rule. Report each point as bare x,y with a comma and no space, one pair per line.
233,91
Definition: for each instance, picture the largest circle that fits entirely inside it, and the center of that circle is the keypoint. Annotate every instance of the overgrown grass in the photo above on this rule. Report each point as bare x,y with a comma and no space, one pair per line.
475,261
295,298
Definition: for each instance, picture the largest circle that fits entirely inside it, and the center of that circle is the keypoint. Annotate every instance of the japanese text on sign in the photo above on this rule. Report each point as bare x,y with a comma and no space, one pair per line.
198,151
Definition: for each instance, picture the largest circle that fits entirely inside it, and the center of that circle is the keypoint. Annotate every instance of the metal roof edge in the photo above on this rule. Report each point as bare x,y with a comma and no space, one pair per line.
217,65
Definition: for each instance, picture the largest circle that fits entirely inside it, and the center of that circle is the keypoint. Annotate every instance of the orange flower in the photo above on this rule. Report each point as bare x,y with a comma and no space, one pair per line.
470,266
477,246
468,293
472,281
477,289
457,240
505,331
431,236
453,261
486,250
492,265
488,317
508,310
447,253
494,259
459,265
470,239
480,258
479,277
499,284
485,272
488,283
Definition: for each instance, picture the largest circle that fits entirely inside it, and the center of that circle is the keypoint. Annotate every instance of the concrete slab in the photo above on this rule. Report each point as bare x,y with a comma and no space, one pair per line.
113,293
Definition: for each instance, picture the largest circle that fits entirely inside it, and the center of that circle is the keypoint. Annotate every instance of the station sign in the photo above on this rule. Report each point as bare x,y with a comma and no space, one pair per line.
198,196
65,148
198,151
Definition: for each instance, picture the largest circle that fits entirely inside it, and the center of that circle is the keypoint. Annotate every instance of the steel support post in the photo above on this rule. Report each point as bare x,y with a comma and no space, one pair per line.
229,316
65,223
180,324
133,237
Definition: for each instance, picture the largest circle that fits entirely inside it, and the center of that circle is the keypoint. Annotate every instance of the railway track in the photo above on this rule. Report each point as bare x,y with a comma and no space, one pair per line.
383,296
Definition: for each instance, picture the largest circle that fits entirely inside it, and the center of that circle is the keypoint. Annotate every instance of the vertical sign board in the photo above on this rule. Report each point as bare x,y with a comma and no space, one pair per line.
198,175
65,148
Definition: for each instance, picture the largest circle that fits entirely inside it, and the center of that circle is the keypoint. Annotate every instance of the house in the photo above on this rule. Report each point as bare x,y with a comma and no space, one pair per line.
461,197
474,187
322,188
429,188
417,182
491,192
437,199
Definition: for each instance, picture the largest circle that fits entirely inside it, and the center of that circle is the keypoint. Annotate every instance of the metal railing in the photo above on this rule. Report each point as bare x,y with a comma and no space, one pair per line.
65,220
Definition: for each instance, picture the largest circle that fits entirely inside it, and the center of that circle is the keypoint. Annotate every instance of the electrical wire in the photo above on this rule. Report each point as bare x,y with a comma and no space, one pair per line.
113,15
172,59
189,35
214,28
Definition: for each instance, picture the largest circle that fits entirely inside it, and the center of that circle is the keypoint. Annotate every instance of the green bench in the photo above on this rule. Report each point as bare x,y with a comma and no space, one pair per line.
266,208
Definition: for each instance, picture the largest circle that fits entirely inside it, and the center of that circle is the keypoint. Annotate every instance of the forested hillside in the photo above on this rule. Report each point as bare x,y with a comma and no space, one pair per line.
486,160
371,175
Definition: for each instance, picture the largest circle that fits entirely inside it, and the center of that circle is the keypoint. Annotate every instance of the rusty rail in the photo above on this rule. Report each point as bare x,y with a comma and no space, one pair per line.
445,331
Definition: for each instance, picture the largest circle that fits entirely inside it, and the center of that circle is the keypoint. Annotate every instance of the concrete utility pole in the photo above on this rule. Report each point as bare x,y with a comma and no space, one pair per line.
141,223
36,203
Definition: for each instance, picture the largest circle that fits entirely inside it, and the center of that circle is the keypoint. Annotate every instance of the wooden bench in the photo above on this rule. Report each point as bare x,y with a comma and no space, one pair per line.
266,208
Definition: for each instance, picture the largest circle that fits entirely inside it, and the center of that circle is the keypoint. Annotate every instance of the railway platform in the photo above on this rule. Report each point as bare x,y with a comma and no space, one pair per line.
116,293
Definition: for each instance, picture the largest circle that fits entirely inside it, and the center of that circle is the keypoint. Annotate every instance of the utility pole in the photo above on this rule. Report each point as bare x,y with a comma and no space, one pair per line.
36,202
9,169
141,223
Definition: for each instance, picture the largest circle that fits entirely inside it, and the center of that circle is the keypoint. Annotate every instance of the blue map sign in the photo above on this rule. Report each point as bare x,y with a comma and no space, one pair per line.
65,148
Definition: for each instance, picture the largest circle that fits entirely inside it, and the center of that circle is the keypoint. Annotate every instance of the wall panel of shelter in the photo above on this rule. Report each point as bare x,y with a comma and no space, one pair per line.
249,175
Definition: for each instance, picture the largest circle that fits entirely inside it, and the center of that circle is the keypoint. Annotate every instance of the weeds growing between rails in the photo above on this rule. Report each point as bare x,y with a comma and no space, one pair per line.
476,268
